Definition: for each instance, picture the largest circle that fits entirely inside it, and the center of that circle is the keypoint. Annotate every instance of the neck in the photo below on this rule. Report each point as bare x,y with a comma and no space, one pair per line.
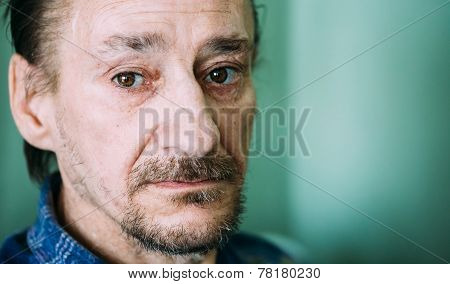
102,235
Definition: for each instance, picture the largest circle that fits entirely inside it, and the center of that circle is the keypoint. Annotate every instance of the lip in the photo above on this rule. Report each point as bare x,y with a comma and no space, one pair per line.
185,184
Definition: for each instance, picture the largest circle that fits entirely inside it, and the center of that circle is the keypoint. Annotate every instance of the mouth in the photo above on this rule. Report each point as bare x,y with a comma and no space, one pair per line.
195,184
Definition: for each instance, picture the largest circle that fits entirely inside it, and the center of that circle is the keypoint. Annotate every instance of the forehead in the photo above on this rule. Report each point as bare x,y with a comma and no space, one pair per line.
182,22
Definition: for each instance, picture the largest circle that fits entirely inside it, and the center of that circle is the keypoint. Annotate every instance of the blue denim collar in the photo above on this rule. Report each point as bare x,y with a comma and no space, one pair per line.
47,240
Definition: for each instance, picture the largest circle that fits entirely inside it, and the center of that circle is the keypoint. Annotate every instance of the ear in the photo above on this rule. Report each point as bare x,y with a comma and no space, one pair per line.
31,109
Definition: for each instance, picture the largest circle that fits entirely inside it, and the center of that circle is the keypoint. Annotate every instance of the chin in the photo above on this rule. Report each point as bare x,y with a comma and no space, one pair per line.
185,224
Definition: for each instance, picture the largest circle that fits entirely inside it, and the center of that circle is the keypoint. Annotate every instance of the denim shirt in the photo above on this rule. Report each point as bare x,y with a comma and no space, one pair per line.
47,242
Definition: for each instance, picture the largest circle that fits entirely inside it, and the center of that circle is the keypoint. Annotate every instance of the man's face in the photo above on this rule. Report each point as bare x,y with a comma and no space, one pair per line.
154,112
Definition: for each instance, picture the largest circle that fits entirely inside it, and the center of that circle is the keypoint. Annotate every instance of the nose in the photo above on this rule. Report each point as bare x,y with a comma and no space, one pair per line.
188,127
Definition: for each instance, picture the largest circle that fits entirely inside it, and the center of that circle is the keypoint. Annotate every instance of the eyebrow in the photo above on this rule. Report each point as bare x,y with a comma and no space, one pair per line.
139,42
221,45
215,46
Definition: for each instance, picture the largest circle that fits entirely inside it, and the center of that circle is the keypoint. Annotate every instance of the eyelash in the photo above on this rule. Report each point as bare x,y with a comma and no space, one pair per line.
220,90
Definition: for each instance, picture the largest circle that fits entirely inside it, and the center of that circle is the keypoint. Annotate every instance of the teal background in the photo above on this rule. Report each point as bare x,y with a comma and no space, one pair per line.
378,133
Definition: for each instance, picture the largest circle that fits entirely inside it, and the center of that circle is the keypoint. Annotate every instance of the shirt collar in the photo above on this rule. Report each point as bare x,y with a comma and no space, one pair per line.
48,241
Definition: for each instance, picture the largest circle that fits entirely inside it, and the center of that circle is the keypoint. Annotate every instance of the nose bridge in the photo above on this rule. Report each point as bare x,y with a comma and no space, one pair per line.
190,129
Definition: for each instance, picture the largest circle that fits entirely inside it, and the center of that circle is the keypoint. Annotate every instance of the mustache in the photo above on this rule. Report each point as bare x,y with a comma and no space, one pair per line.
183,169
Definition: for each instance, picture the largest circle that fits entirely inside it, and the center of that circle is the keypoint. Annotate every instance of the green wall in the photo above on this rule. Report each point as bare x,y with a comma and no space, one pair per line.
378,133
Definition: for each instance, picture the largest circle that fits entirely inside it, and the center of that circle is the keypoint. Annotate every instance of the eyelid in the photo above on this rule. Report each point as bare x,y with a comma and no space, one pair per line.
126,70
134,67
237,67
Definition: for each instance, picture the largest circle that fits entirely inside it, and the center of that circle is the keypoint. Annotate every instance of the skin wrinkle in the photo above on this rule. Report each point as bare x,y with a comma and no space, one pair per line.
140,42
76,161
183,12
142,146
116,4
111,6
75,21
102,122
74,158
141,12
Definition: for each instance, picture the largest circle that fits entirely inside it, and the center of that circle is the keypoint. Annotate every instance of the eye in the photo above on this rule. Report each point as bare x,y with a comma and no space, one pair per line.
128,80
222,75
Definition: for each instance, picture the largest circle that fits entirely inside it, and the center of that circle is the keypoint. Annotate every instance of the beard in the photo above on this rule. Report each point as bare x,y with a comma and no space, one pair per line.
224,205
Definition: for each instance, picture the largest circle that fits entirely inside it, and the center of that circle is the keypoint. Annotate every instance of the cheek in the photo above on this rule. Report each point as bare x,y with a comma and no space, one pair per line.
235,125
105,140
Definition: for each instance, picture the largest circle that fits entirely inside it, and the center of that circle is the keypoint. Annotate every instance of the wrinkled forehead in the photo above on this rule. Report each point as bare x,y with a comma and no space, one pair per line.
181,22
